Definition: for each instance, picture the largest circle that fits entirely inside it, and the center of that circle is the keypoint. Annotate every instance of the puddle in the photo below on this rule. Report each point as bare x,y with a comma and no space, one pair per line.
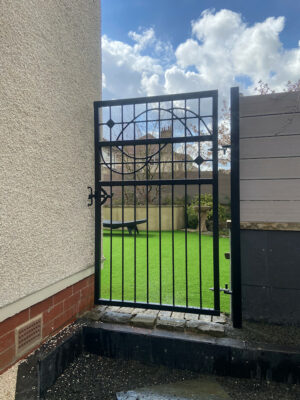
204,388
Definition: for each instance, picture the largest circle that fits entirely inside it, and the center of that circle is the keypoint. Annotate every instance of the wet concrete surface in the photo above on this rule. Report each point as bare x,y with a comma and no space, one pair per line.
92,377
203,388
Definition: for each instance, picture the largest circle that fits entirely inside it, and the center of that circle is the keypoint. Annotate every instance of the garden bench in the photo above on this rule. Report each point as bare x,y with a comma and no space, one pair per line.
130,225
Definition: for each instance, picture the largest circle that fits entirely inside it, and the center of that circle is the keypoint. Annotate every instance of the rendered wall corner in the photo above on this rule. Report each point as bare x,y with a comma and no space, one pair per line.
50,76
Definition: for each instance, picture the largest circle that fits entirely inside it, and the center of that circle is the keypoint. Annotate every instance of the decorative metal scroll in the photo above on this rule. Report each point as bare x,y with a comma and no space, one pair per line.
145,160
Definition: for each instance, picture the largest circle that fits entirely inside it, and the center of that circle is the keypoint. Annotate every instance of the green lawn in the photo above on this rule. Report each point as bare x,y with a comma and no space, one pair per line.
180,281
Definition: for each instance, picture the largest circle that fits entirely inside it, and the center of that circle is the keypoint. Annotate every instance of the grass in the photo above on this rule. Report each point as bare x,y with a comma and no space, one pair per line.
182,284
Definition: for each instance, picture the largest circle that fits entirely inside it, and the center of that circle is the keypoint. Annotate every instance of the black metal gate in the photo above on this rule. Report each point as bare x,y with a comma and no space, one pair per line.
152,157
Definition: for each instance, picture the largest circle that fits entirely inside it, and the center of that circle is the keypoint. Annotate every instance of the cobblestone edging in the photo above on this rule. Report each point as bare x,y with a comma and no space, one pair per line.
151,319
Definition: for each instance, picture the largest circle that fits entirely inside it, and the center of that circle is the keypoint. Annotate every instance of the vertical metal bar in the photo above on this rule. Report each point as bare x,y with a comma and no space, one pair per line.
215,205
173,248
111,206
122,120
159,210
186,215
199,208
134,200
98,224
236,286
147,205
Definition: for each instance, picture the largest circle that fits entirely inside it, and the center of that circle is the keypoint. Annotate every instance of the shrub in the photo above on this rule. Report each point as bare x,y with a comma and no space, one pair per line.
192,222
207,200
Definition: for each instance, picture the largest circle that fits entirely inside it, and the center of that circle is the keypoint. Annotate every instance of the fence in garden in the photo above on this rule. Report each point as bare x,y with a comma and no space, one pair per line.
270,206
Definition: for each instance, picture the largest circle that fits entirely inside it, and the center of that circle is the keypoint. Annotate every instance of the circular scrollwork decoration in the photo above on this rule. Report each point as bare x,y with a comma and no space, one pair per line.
140,161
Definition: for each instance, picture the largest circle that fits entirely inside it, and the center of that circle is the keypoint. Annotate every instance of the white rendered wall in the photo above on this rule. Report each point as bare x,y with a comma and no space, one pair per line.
50,76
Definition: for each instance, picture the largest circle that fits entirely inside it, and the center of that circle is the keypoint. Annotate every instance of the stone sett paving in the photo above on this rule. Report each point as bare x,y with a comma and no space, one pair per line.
154,319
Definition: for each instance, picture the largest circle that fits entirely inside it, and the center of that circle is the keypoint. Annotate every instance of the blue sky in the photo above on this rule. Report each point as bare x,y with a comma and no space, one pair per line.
167,46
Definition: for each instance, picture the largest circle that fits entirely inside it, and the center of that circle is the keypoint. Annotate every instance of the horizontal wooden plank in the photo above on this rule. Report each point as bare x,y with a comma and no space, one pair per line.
270,189
270,125
270,211
270,168
279,146
271,226
277,103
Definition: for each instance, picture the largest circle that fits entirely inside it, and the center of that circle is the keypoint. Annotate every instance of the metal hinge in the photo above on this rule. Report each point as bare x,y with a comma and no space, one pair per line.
103,196
91,196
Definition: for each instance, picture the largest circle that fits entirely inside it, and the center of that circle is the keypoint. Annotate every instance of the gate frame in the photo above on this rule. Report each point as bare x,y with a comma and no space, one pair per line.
235,206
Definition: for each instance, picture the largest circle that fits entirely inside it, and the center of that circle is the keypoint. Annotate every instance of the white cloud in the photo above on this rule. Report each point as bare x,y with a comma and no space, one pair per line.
177,81
258,50
142,40
188,53
124,67
151,84
223,48
219,29
103,80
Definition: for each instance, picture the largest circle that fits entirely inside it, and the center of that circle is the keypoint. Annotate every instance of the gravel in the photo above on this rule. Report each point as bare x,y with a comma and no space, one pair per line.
249,389
260,332
92,377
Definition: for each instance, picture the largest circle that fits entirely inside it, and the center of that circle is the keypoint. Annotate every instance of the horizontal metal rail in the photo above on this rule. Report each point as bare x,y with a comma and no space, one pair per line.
156,99
149,142
138,121
161,307
164,162
158,182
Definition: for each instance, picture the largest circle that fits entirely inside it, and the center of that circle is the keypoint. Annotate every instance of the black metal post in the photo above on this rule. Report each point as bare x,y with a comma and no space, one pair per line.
236,305
199,209
215,204
98,254
147,208
172,188
123,216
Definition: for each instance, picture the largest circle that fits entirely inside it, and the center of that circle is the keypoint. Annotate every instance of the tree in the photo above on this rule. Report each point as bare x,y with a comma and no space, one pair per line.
141,169
223,141
264,88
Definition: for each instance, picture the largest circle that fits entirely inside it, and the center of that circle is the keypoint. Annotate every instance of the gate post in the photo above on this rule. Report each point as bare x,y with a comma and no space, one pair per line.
98,219
236,305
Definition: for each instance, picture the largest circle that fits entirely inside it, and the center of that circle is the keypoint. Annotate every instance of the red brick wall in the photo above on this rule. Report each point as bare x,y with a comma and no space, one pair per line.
58,311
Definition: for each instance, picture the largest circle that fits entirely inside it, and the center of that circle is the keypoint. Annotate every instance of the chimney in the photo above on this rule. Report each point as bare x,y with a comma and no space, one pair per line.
166,132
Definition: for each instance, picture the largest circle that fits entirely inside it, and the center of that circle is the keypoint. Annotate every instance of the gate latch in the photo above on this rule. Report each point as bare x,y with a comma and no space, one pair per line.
103,196
225,290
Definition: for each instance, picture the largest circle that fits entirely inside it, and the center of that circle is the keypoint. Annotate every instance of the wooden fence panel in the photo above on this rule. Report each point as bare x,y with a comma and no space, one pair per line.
270,158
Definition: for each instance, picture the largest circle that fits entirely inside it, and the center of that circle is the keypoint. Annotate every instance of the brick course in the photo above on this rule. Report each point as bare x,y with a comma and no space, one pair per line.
57,311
